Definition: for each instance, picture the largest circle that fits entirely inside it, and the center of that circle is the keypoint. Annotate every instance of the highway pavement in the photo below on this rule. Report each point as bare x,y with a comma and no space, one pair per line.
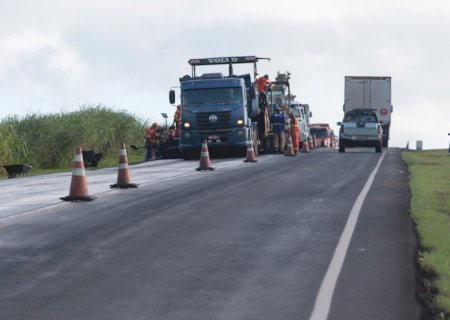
263,240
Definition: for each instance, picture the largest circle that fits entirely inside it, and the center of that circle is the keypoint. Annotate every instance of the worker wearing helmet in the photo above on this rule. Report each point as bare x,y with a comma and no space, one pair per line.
278,123
152,142
294,131
177,121
261,85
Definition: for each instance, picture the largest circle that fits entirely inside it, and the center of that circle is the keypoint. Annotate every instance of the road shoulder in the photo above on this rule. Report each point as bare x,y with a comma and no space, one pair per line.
379,273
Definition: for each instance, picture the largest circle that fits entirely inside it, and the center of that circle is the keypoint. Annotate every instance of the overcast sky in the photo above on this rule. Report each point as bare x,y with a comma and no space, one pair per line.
58,55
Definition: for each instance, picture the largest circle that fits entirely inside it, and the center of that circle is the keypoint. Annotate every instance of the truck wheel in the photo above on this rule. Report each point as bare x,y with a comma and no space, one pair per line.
385,142
187,155
341,146
378,148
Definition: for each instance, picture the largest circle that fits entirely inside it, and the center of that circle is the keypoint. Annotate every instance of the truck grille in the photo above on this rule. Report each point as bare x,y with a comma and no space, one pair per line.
205,120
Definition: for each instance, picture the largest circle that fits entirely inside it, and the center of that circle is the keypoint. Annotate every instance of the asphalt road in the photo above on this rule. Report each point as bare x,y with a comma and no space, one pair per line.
245,241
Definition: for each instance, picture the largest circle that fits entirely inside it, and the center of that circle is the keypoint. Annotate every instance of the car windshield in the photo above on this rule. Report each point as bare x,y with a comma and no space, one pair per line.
199,97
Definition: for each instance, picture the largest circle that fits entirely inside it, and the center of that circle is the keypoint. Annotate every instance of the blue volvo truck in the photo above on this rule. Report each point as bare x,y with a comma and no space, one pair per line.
221,109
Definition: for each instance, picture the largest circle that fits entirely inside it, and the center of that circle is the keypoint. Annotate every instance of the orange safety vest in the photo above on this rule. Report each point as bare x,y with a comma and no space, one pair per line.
177,120
294,130
261,84
151,137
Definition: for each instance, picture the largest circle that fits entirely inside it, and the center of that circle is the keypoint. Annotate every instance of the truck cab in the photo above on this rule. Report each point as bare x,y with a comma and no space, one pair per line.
302,113
223,110
214,108
322,134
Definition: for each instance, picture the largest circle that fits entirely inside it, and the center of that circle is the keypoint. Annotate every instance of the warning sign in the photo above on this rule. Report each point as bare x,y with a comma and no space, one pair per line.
383,111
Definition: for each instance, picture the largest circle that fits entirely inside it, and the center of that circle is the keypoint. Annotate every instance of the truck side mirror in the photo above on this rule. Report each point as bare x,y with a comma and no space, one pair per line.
339,123
172,96
310,114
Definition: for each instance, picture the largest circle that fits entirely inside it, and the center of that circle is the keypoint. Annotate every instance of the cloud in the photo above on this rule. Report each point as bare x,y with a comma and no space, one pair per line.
33,55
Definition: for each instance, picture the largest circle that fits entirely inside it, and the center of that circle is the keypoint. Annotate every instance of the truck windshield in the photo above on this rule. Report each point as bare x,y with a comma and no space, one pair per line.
200,97
319,133
277,92
295,111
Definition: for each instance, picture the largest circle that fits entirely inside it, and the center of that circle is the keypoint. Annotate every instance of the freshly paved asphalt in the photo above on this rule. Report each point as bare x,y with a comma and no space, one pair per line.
245,241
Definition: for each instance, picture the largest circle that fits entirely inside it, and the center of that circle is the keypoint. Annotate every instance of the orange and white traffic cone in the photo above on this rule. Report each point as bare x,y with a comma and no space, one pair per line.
251,157
205,163
305,147
290,148
78,184
123,176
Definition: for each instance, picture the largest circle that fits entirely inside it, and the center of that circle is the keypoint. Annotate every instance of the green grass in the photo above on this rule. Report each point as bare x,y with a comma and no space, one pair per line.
430,209
48,142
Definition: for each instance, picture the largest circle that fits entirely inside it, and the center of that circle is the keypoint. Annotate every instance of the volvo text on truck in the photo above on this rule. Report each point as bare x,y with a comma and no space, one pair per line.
222,109
362,92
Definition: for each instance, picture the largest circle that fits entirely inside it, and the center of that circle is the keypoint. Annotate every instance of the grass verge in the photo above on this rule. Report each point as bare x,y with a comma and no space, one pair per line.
111,161
430,210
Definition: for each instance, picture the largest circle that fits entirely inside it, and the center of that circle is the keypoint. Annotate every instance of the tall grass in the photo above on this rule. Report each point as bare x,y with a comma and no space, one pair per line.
50,140
430,209
13,147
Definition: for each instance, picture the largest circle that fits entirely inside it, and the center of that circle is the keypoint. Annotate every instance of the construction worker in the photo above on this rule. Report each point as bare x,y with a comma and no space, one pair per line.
261,85
177,121
152,142
294,131
278,125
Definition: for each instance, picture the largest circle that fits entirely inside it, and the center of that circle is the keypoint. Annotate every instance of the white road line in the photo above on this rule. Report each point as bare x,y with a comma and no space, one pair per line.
325,295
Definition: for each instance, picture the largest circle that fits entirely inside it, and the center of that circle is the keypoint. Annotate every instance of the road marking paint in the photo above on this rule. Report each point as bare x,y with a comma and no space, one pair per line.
325,295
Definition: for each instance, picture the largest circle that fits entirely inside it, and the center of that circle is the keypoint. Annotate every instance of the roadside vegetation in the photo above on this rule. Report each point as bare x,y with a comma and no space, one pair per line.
430,209
48,142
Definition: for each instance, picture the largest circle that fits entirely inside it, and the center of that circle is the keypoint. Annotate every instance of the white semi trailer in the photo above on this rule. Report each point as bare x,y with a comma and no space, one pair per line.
370,93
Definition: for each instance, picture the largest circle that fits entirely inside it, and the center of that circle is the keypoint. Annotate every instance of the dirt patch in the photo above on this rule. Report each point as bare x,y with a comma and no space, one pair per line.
426,292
